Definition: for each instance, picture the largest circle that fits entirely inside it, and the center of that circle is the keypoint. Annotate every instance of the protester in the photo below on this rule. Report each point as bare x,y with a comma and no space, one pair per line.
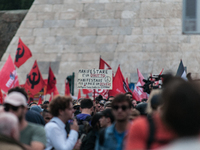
88,142
9,132
47,116
62,110
102,103
108,105
34,117
149,132
129,95
36,108
112,137
134,103
110,98
86,111
31,135
97,108
107,118
180,112
134,114
32,104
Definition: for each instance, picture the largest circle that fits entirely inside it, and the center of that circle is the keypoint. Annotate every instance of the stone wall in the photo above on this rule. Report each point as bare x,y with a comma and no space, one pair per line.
72,34
9,23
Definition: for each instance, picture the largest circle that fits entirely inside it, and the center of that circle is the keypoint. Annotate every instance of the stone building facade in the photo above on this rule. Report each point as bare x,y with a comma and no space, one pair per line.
73,34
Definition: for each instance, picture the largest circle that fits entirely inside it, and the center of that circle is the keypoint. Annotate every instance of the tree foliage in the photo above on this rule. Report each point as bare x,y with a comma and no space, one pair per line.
15,4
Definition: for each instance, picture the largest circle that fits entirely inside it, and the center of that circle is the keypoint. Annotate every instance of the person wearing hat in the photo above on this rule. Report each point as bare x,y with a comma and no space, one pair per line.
31,135
108,105
107,118
101,102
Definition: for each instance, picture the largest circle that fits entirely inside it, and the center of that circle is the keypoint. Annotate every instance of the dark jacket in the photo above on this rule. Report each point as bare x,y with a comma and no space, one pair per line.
88,142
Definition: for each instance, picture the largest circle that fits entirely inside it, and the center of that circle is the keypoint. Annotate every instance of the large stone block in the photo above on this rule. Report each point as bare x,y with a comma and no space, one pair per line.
53,48
69,57
106,47
83,39
32,24
133,39
88,31
104,31
94,7
154,30
128,14
43,32
81,23
46,15
69,15
58,23
31,16
122,30
64,31
104,14
114,6
104,23
47,40
24,32
64,40
127,47
107,39
85,48
150,22
86,15
41,8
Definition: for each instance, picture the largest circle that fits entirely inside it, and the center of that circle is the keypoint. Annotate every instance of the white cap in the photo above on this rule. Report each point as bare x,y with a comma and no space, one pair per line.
15,99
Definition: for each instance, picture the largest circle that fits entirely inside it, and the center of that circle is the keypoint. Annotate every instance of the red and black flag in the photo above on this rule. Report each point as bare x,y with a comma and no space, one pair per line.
51,84
23,53
34,81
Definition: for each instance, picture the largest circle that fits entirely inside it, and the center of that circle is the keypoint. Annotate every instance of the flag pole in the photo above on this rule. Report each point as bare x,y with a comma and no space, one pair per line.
94,94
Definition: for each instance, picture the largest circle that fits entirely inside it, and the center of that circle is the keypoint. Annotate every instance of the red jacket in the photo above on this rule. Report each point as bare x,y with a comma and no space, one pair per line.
138,134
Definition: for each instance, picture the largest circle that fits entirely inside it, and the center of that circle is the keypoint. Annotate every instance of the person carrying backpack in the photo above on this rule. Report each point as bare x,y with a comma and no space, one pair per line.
84,118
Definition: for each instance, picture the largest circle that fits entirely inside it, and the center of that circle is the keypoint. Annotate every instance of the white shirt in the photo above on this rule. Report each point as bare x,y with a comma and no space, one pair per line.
56,136
187,143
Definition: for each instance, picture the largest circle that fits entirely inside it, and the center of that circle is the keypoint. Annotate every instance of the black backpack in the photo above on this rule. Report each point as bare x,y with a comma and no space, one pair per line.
84,125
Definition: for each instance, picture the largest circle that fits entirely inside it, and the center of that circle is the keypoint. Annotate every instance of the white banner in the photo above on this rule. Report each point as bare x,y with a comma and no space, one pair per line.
94,79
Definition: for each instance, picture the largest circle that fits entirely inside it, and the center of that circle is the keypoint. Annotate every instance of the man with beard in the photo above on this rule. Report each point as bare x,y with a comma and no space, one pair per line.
121,108
31,135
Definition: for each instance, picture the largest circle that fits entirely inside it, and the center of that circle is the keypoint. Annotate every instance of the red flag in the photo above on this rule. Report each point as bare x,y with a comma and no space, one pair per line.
79,94
1,97
138,93
23,54
86,91
34,81
55,92
103,92
40,101
103,64
87,96
8,76
50,98
119,84
51,82
67,89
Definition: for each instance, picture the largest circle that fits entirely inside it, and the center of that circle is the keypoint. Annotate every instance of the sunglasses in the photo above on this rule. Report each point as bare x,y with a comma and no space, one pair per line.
14,108
123,107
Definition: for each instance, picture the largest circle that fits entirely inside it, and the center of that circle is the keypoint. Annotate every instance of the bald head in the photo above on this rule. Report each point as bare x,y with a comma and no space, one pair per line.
9,125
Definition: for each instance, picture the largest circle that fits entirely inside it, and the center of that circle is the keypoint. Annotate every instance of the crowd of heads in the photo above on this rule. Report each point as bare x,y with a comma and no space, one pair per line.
177,103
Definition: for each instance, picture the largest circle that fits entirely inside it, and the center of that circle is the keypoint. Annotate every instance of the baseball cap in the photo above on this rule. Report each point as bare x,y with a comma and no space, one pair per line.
102,102
36,108
107,104
108,114
15,99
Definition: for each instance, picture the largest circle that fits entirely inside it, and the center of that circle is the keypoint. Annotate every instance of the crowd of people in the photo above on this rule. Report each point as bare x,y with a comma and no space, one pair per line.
167,120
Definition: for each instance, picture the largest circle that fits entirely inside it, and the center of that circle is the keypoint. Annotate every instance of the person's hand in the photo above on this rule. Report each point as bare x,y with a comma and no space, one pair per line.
74,126
77,145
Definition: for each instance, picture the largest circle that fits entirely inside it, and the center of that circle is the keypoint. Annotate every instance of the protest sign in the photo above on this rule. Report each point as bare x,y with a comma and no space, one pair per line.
94,79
